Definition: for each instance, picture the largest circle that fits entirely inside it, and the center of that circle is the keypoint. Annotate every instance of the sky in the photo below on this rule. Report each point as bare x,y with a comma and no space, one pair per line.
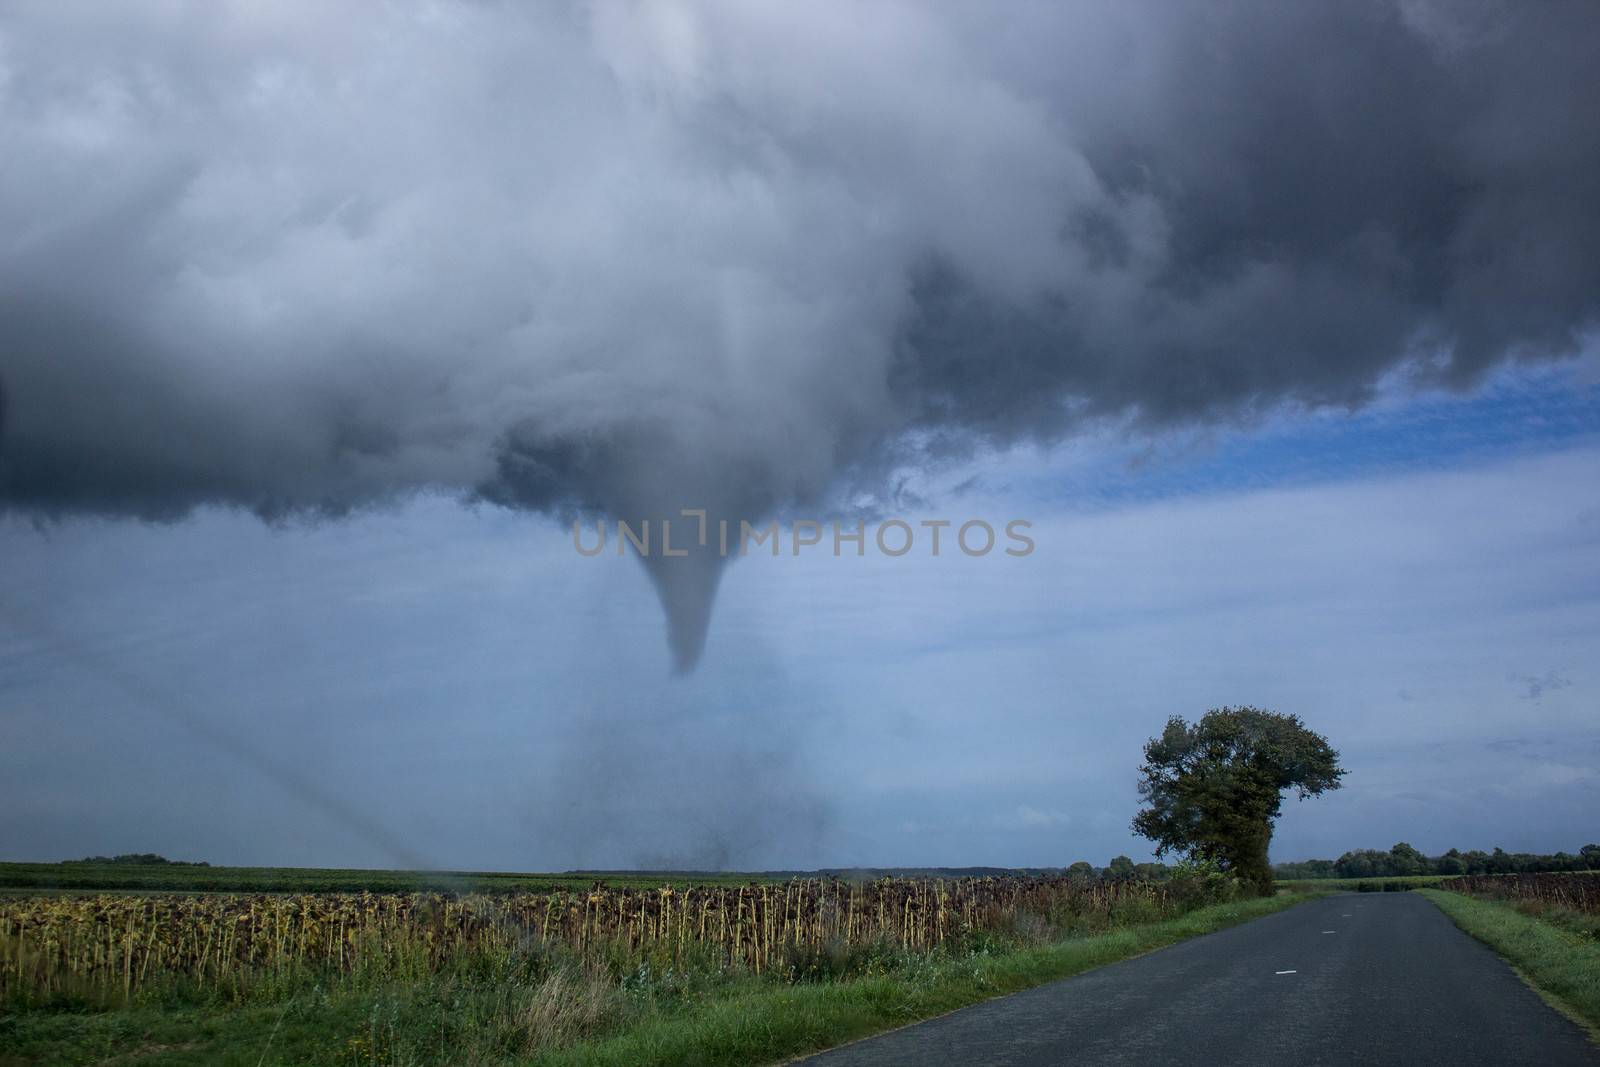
1279,325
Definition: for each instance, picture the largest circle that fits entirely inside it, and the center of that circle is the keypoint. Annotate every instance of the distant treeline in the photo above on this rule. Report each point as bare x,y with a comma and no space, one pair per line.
1403,860
139,859
1120,869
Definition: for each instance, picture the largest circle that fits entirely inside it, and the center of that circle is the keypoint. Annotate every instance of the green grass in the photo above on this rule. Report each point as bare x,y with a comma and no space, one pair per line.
703,1015
768,1024
1388,884
1559,960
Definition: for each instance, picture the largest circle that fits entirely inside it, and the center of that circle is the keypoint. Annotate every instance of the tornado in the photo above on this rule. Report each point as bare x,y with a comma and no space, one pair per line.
601,266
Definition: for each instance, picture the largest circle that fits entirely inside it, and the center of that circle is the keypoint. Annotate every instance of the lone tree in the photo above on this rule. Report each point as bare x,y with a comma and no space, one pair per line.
1213,789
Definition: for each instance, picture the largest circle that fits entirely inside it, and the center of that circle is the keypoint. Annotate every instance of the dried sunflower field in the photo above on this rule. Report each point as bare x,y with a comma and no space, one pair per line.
111,946
1578,891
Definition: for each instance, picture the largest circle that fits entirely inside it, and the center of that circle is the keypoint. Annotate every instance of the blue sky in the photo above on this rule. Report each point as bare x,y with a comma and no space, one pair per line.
1518,411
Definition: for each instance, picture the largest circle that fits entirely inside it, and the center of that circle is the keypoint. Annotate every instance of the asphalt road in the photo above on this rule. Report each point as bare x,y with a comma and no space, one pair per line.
1349,979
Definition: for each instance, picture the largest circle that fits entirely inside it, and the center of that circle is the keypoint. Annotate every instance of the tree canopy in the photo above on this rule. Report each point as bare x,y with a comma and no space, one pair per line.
1402,859
1213,789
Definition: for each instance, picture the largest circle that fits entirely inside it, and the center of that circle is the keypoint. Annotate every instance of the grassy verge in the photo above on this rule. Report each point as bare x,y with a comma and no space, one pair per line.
699,1015
1392,884
764,1024
1558,960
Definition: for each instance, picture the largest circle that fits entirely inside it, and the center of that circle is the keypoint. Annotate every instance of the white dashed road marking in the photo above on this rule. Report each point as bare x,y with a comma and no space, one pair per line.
1285,972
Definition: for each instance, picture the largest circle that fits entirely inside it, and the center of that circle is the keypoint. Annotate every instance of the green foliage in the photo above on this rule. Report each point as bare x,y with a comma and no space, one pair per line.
1361,885
1199,883
139,859
1404,861
1120,869
1214,788
1387,885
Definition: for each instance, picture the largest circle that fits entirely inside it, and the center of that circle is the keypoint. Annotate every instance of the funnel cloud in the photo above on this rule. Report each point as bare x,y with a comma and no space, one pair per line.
622,260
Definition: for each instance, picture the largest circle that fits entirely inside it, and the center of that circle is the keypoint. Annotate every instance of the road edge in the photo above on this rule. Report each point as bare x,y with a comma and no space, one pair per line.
794,1022
1282,901
1462,912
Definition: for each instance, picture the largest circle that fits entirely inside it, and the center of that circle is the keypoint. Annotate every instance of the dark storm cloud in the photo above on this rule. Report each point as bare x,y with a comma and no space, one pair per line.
1319,191
631,259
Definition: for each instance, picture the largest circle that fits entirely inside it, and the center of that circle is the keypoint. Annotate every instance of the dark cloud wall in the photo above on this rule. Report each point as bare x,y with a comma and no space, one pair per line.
629,259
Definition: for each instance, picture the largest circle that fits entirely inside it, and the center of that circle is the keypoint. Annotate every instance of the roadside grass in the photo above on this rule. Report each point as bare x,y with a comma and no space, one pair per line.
769,1023
1556,954
568,1017
1389,884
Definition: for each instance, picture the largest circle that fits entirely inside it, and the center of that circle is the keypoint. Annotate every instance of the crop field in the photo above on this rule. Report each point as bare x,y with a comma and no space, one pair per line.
108,947
1576,892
